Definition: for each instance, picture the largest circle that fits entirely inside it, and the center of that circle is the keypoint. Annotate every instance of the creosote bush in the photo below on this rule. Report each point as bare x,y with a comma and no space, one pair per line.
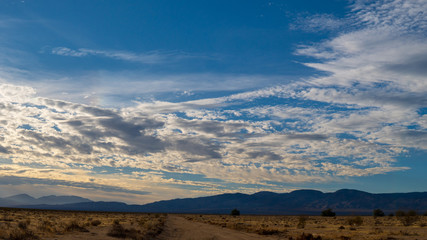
408,218
23,234
267,231
355,221
305,236
75,226
95,223
117,230
378,213
235,212
328,213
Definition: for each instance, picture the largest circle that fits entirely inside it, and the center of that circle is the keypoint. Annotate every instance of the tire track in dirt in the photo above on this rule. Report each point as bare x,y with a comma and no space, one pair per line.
178,228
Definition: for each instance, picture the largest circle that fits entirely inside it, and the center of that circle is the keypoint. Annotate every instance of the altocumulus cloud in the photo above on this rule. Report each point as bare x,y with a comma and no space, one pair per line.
353,121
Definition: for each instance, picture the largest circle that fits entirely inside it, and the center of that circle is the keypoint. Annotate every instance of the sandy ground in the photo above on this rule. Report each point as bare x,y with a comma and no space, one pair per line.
99,233
178,228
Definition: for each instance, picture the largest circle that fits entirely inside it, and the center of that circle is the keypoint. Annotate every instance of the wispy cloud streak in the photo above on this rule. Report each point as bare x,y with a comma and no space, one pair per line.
154,57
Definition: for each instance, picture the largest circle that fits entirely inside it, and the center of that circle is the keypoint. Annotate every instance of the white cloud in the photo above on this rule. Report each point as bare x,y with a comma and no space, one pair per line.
397,15
318,22
153,57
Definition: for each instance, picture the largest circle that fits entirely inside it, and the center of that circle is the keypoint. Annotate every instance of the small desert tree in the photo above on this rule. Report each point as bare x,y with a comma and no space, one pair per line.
328,213
235,212
408,218
378,213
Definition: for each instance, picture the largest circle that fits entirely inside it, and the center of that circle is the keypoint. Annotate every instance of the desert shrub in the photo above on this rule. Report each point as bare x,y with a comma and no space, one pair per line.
355,221
154,227
117,230
46,226
408,218
328,213
378,213
267,231
95,223
302,221
235,212
75,226
305,236
23,225
406,233
377,231
23,234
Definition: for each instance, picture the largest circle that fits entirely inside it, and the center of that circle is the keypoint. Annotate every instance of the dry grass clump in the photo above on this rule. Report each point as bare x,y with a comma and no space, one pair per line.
23,232
355,221
74,225
46,226
95,223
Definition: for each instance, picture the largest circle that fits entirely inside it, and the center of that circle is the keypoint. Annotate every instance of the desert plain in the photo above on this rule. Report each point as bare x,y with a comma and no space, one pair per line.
47,224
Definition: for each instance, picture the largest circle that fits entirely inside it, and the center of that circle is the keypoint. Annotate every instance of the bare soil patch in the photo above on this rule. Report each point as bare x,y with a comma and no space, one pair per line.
178,228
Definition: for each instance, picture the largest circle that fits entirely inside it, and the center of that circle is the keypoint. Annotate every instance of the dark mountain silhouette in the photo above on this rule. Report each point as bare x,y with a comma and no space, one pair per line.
24,199
17,199
343,202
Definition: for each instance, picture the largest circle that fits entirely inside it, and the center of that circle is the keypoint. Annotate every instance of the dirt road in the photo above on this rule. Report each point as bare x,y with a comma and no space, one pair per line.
178,228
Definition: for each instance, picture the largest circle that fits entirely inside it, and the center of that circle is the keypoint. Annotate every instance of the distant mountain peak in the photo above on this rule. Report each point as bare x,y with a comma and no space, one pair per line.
306,191
22,196
25,199
264,193
349,190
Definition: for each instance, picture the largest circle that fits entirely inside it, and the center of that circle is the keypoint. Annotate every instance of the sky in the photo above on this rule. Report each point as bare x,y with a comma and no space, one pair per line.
140,101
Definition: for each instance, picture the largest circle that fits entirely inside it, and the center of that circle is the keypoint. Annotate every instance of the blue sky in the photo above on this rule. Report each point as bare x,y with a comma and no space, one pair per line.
139,101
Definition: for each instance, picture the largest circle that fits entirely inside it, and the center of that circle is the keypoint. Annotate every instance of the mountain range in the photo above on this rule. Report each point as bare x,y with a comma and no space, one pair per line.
25,199
312,202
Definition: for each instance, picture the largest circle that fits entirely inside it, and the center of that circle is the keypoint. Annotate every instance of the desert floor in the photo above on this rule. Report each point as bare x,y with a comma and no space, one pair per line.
178,228
37,224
